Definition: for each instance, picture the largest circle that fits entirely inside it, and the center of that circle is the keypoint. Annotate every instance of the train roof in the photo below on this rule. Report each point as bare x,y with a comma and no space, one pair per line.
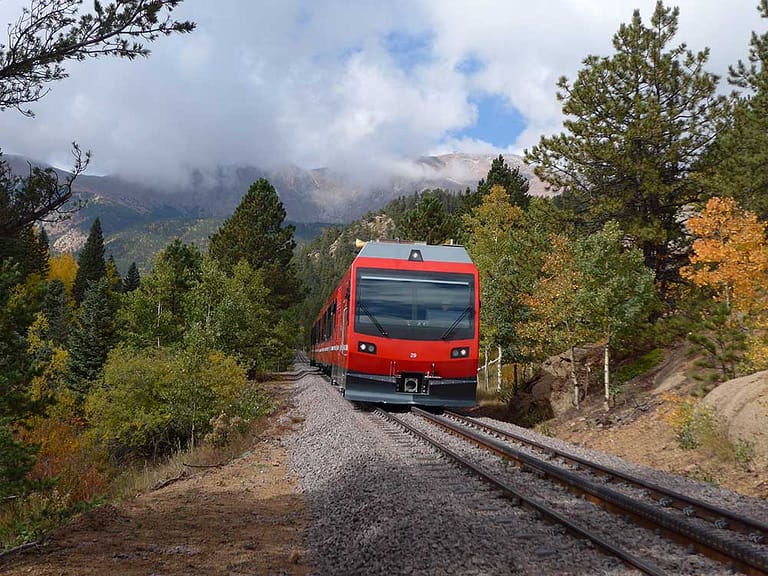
404,251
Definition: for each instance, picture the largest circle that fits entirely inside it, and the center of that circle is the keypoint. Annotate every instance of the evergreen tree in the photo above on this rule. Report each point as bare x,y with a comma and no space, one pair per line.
740,154
113,275
92,337
132,279
429,221
57,312
15,458
500,174
29,248
91,265
637,125
43,252
255,233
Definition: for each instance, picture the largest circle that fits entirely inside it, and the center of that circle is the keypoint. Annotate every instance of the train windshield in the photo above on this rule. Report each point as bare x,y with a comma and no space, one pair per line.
413,305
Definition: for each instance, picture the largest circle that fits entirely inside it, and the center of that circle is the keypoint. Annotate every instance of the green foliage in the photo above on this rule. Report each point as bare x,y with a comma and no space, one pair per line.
155,313
639,366
617,293
515,185
719,335
132,278
91,265
29,249
113,275
31,60
181,264
428,222
740,153
637,124
505,255
92,337
152,401
697,426
141,242
255,233
57,312
16,461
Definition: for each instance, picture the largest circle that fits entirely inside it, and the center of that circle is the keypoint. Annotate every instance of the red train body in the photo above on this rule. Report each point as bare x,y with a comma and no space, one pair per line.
402,326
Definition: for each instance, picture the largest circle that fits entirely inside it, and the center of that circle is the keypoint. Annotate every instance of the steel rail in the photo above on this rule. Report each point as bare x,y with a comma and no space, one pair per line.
734,554
756,531
531,503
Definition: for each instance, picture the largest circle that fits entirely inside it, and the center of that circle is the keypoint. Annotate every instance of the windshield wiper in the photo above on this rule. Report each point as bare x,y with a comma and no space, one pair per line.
455,324
364,308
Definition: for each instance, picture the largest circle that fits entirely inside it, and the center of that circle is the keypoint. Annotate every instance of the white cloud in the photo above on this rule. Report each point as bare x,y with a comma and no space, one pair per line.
312,82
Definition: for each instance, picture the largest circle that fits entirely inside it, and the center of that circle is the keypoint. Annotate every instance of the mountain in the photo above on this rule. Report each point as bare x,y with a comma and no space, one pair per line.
138,219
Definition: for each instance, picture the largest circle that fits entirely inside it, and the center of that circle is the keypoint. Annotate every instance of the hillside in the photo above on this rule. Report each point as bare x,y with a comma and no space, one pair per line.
137,217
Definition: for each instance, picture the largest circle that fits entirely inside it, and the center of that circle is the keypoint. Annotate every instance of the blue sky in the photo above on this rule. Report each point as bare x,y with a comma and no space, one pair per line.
361,85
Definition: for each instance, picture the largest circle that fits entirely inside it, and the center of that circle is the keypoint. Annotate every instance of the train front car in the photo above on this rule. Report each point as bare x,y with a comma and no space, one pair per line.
414,330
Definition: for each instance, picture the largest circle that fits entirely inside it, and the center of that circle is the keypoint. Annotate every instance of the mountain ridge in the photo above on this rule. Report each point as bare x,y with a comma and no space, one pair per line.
319,195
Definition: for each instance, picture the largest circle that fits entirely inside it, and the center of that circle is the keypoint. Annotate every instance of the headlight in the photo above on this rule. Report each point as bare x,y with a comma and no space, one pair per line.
367,347
460,352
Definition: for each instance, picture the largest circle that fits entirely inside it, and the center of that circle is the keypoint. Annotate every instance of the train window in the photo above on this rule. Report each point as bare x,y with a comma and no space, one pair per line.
415,305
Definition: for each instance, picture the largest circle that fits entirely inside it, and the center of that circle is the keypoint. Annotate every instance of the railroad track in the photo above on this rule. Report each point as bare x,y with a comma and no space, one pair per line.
697,526
753,529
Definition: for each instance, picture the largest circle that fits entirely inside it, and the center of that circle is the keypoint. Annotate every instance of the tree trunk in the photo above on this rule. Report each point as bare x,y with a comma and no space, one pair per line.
575,380
498,374
607,377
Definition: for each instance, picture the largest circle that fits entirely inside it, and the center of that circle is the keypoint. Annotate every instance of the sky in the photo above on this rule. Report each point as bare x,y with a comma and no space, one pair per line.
352,85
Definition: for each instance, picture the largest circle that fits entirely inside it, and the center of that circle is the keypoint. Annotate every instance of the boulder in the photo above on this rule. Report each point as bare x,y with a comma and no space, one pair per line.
742,405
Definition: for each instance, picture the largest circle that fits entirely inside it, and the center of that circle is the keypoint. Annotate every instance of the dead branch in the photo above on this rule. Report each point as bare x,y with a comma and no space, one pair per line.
219,465
20,548
167,481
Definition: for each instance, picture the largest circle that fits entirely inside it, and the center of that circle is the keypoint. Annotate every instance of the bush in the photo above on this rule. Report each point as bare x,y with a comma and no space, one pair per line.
153,402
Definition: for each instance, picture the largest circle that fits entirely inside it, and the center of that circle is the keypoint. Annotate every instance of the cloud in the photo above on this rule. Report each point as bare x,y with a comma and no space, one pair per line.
354,86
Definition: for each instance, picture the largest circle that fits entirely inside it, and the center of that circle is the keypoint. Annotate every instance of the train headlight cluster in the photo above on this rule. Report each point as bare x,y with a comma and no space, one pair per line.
460,352
367,347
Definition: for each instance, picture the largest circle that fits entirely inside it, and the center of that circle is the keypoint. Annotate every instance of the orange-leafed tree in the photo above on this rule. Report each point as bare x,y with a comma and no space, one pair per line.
730,258
730,255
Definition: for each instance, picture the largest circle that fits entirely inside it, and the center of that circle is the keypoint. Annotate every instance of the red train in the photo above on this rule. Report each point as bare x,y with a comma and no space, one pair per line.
402,326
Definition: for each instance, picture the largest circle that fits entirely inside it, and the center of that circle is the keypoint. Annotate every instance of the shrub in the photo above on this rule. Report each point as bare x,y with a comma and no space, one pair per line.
153,402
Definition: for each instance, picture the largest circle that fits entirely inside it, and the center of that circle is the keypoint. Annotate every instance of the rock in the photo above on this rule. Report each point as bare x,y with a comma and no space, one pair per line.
742,404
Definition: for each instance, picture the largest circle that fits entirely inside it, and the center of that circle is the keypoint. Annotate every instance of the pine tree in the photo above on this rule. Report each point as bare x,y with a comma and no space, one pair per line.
740,154
429,221
132,279
500,174
92,337
91,265
113,275
637,125
41,251
255,233
57,312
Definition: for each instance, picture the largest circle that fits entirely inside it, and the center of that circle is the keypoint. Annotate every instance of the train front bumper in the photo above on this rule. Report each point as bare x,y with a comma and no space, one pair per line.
426,391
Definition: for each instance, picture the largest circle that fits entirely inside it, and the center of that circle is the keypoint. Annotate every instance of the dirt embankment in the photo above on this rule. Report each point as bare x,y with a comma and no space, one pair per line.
639,429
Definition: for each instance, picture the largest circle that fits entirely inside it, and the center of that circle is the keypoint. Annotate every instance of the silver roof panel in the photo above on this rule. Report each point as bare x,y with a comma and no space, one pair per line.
401,251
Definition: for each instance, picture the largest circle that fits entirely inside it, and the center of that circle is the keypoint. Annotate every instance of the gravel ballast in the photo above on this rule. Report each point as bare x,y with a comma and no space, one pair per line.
384,503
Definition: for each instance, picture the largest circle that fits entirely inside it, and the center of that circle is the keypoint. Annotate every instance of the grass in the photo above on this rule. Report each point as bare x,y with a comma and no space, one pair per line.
697,426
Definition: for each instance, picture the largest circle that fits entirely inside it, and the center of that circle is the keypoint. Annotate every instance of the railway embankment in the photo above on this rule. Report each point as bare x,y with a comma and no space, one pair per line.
670,419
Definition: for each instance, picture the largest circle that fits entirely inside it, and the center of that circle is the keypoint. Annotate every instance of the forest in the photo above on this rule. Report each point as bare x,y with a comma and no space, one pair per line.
655,232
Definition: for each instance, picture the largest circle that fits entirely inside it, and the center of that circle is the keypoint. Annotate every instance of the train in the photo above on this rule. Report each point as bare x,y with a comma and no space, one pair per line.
402,326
